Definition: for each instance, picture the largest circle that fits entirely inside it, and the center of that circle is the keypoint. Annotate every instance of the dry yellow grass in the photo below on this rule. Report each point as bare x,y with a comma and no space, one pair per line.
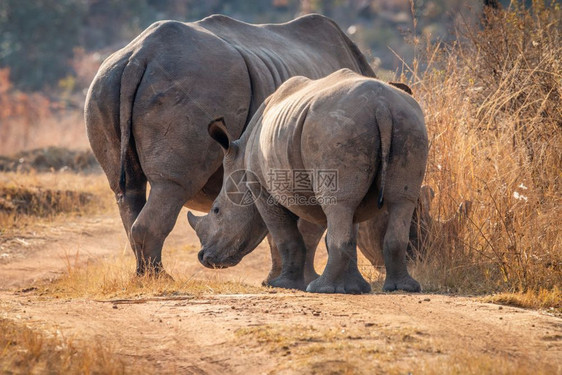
115,278
30,199
378,349
541,299
492,108
24,351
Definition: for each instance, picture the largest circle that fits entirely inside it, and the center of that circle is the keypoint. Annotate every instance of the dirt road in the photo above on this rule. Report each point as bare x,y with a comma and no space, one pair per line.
274,331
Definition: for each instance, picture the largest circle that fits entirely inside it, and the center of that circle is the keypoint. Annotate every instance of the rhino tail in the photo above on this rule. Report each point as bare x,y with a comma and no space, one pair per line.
384,124
130,81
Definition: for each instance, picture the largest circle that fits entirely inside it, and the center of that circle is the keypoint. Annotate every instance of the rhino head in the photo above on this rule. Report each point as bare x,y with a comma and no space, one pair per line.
233,228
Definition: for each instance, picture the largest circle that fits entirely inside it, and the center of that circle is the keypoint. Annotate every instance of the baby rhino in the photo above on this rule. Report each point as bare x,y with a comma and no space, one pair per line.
333,151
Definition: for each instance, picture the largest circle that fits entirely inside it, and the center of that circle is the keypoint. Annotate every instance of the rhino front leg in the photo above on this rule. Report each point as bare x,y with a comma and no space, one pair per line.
276,262
284,233
311,233
155,221
394,249
292,250
341,274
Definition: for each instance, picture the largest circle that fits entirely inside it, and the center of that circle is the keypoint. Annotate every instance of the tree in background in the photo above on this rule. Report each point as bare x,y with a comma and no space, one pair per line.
37,39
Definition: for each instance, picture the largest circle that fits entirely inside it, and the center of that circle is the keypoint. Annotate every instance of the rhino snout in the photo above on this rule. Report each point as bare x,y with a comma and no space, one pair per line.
209,260
201,257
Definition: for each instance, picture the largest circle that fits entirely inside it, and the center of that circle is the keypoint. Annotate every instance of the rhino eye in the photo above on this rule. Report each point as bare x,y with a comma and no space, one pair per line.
216,210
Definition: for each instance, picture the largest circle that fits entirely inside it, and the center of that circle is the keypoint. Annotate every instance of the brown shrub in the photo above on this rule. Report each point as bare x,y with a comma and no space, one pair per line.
492,106
33,120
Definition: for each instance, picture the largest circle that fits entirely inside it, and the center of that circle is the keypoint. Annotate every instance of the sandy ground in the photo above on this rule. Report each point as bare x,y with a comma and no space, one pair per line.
273,332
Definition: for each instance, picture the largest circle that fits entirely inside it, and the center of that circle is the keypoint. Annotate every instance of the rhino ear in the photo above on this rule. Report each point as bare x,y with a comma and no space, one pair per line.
217,131
402,86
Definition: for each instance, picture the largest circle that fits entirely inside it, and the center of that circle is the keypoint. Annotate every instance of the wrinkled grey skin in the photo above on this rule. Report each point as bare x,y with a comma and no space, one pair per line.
373,134
149,105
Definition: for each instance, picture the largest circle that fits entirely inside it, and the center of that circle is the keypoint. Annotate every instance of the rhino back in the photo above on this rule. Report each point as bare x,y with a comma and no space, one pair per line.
312,46
332,124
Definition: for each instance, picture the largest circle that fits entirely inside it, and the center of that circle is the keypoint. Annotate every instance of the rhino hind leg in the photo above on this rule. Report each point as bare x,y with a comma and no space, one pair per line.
155,221
394,249
341,274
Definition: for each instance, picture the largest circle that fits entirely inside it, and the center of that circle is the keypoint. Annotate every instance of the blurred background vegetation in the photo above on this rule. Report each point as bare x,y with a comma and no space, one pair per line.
56,44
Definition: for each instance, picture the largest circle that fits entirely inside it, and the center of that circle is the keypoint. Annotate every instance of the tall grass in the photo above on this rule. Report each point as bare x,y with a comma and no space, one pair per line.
492,107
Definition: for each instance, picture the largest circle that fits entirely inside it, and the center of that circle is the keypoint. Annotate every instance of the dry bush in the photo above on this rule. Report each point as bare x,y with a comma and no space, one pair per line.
33,120
85,66
24,351
492,107
28,199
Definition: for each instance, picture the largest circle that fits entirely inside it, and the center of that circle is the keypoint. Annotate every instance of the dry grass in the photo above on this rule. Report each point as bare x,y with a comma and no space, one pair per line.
468,363
374,349
541,299
28,199
492,108
115,278
24,351
316,349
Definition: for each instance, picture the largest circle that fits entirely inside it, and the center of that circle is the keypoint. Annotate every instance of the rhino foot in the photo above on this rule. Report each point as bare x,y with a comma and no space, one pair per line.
273,274
406,283
310,276
351,285
356,284
286,283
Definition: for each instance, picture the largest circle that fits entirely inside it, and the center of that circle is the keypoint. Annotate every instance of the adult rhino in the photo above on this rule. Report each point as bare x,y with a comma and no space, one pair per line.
148,108
369,135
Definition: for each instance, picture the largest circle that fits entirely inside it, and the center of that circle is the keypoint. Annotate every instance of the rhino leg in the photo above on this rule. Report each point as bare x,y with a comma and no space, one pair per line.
284,232
394,248
131,204
155,221
292,251
311,233
276,261
341,274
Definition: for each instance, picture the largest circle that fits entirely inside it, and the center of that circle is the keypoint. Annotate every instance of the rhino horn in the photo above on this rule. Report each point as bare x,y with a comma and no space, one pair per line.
193,220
